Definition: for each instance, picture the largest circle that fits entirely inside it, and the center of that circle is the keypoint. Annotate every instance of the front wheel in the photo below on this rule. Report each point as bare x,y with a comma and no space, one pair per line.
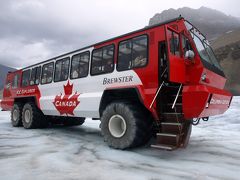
125,125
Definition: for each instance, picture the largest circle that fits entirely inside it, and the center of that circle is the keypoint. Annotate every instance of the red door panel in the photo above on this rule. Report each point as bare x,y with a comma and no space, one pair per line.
176,63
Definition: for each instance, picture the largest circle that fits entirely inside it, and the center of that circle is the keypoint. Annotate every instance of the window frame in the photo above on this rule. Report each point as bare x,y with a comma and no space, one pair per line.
34,68
131,39
101,48
18,81
40,72
63,59
35,78
171,41
28,70
43,70
89,54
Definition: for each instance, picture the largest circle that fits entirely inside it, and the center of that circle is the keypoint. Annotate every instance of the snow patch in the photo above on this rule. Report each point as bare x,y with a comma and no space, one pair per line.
80,153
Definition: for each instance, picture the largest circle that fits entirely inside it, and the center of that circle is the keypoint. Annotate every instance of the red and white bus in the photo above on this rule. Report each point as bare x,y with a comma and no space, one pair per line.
154,81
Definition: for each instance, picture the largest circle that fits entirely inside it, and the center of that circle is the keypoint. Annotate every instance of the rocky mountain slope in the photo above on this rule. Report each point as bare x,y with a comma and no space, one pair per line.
3,71
211,22
227,50
223,32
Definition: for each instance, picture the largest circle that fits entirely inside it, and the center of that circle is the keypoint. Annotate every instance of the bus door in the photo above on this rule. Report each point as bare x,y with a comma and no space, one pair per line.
176,65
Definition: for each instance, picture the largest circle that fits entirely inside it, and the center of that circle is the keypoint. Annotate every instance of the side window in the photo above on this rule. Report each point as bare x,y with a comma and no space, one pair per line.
15,82
102,60
162,55
185,44
174,43
47,73
96,67
79,66
139,51
25,78
35,75
38,73
133,53
124,55
61,70
107,59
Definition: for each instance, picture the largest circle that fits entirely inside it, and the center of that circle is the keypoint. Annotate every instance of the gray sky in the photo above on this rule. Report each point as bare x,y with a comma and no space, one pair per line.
35,30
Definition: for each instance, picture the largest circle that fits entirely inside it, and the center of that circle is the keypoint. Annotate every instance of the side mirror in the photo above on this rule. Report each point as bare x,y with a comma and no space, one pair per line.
189,54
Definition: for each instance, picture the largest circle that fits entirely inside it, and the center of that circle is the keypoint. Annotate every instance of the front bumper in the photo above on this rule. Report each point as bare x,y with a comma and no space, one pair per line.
204,101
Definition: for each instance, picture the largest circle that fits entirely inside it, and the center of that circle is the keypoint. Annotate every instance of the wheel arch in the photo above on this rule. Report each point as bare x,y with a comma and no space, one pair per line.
26,100
123,94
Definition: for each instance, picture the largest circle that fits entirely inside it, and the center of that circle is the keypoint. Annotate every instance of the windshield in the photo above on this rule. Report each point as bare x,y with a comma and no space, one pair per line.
203,47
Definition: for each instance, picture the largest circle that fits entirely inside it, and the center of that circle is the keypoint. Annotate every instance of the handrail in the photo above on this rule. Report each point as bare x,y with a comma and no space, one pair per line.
164,71
175,100
156,94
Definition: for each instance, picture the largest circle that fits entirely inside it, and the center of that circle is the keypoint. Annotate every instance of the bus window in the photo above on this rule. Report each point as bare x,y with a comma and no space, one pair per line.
79,66
124,55
15,82
107,59
96,67
174,43
139,51
61,70
133,53
25,78
102,60
38,73
185,44
35,75
47,73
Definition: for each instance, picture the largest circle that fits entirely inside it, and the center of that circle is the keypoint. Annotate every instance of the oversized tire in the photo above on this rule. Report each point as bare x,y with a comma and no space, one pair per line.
32,117
16,114
73,121
126,125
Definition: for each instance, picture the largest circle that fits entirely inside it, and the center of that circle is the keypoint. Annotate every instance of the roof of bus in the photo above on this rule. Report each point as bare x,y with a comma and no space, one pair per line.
139,30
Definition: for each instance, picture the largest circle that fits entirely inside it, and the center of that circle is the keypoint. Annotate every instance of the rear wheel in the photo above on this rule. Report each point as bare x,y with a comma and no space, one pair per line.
32,117
125,125
16,114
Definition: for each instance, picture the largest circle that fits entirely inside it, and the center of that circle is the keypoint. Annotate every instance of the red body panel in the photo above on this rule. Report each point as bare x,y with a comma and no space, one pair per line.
204,101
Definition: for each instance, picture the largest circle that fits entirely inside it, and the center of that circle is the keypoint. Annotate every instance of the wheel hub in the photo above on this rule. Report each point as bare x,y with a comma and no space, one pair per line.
27,116
15,115
117,126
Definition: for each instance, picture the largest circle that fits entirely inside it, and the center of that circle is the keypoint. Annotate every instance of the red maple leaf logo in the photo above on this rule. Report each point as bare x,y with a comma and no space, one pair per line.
66,103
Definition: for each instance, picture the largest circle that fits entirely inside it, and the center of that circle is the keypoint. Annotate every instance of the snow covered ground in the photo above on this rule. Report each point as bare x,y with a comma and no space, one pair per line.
80,153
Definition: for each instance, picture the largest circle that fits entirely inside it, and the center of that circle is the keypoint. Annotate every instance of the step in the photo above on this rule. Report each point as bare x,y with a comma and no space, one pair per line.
171,127
168,108
171,99
172,117
171,123
164,147
168,139
180,95
176,104
167,134
171,86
